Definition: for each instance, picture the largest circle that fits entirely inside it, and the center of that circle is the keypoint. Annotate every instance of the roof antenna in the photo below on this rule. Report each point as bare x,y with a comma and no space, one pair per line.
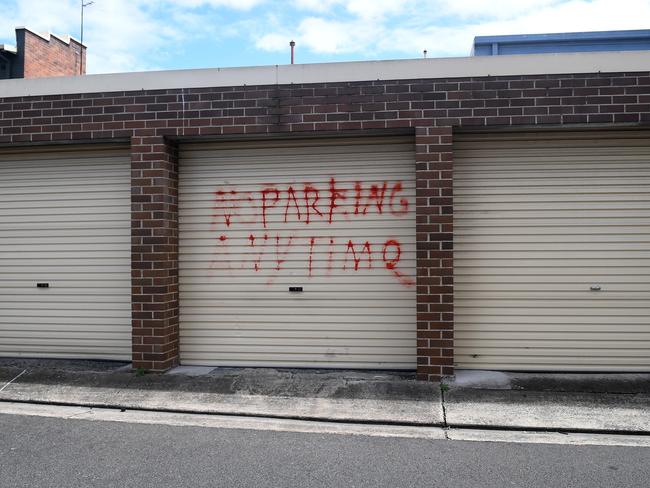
425,53
81,49
293,45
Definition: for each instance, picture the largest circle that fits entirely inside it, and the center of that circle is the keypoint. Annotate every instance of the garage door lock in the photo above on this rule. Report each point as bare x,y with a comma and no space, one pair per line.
594,287
42,285
295,288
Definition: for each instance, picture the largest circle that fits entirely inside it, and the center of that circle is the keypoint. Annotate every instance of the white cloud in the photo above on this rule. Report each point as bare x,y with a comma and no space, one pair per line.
127,35
273,42
119,32
496,9
367,9
572,16
234,4
40,15
448,27
124,35
324,36
320,6
375,9
576,16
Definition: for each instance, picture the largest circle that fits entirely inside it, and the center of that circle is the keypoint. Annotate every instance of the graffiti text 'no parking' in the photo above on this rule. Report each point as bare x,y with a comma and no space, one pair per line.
272,206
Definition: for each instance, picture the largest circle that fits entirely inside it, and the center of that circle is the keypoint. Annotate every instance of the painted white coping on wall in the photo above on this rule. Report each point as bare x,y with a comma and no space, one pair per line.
47,36
528,64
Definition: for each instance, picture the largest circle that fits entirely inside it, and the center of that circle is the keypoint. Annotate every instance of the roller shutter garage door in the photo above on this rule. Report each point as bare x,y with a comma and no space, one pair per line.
333,218
65,221
552,251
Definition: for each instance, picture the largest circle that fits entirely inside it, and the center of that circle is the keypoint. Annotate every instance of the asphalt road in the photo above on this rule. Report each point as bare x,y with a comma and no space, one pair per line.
57,452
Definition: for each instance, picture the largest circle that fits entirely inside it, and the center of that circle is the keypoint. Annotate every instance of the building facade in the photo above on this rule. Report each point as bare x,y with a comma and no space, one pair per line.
480,212
41,55
627,40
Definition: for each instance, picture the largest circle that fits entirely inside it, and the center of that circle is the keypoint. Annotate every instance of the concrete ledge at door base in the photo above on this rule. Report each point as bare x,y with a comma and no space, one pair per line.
191,370
68,365
323,383
557,382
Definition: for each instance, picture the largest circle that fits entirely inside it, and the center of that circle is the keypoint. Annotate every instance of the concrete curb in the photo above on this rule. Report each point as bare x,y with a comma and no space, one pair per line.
574,412
467,409
399,412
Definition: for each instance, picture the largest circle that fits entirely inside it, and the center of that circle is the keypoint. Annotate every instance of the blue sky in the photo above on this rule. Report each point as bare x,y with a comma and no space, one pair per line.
136,35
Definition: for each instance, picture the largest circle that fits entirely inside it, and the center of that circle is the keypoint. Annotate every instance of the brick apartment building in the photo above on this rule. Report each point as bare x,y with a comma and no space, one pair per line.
481,212
41,55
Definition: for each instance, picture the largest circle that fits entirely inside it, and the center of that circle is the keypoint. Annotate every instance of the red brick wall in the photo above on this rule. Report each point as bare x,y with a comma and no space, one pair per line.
431,108
154,247
43,58
434,247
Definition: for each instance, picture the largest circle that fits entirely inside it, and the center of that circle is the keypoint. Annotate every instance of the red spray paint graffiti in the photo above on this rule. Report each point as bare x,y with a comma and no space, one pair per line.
305,202
309,206
265,207
312,242
357,258
391,264
274,206
335,194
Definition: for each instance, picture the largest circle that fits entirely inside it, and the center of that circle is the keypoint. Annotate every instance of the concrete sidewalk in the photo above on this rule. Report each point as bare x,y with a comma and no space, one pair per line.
564,402
611,403
352,396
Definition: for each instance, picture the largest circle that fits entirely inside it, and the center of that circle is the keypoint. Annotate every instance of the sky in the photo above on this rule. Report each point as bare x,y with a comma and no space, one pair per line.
140,35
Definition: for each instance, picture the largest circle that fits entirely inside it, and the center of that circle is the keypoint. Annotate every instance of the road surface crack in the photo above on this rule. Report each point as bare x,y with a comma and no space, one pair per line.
445,425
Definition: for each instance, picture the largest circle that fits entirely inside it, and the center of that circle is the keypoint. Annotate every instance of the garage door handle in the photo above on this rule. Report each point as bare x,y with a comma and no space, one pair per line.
594,287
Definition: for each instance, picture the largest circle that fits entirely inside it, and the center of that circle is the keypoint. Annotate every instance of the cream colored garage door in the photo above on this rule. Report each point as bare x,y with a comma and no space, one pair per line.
298,255
65,222
552,251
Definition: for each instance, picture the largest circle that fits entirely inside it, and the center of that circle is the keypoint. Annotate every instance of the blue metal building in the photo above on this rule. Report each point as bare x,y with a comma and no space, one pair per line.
562,42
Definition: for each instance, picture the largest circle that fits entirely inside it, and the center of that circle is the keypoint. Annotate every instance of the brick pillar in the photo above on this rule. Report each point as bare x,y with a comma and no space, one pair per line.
434,235
154,248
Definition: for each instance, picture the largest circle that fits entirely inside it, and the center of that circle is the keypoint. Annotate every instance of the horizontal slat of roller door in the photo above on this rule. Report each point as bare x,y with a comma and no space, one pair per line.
65,220
538,219
235,304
